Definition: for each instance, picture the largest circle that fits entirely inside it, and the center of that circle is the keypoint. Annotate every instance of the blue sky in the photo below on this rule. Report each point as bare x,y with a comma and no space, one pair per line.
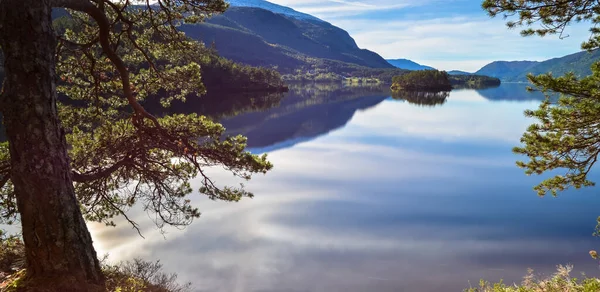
446,34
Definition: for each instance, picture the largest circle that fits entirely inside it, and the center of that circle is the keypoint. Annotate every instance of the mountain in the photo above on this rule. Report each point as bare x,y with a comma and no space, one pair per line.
408,65
506,70
282,38
579,63
517,71
458,72
273,8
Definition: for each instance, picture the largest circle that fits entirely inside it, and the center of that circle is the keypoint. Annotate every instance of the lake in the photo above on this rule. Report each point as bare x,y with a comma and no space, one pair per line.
374,193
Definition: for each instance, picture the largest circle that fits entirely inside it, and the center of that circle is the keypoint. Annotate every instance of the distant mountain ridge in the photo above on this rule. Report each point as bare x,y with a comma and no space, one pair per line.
408,64
273,8
517,71
505,69
458,72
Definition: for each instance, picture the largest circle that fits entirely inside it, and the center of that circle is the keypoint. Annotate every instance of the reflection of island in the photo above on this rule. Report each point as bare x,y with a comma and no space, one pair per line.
474,86
307,111
422,98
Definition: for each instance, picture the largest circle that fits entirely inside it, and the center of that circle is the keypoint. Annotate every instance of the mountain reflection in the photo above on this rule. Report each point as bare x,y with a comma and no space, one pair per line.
511,92
399,198
307,111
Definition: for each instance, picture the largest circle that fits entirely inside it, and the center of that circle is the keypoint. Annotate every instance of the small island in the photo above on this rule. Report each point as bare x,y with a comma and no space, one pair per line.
434,80
473,81
424,80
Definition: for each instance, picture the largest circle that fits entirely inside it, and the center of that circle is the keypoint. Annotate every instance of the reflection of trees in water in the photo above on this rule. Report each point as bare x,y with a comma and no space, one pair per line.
307,111
220,105
423,98
474,86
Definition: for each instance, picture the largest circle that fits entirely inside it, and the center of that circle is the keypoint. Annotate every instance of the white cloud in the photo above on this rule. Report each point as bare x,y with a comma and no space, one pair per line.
454,41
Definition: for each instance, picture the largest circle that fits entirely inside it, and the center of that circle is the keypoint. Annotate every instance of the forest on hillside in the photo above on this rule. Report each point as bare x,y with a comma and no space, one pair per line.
473,81
429,80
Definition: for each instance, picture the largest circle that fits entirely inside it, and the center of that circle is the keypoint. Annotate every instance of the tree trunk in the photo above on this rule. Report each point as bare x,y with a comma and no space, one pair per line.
59,251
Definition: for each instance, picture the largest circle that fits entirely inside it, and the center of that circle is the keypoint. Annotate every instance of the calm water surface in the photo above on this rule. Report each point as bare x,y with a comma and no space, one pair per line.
372,193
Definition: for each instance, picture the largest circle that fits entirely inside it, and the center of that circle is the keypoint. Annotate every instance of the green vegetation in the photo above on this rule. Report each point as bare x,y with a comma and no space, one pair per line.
565,136
383,75
578,63
561,281
260,37
313,76
344,73
218,73
429,80
129,276
517,71
361,80
506,70
224,75
101,140
473,81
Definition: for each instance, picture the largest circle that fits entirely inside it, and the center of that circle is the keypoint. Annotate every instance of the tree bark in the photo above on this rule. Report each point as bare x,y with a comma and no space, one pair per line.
59,251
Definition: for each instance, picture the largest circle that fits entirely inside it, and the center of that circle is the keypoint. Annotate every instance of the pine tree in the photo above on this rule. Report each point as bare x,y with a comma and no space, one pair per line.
101,152
565,136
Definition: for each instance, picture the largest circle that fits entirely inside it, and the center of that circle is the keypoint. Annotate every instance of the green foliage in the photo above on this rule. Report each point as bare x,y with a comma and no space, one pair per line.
119,159
128,276
579,63
141,275
566,135
473,81
554,16
422,80
260,37
506,70
381,74
517,71
12,253
224,75
561,281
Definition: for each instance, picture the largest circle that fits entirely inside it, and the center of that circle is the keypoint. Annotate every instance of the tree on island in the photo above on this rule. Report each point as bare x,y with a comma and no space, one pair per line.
432,80
566,135
101,153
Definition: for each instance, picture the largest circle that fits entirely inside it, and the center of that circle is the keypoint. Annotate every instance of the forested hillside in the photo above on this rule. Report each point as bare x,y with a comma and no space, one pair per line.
506,70
260,37
516,71
408,64
579,63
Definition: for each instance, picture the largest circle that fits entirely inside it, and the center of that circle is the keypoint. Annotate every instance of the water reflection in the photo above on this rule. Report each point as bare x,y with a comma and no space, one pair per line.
511,92
308,111
423,98
380,196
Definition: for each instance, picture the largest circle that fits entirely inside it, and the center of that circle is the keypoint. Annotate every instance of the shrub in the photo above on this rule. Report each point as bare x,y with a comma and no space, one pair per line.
561,281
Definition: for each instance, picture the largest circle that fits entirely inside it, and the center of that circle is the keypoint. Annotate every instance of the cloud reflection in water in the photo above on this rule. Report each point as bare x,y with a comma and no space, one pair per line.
401,198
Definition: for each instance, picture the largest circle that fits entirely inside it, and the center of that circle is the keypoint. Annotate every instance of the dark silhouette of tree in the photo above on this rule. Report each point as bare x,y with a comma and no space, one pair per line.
94,160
